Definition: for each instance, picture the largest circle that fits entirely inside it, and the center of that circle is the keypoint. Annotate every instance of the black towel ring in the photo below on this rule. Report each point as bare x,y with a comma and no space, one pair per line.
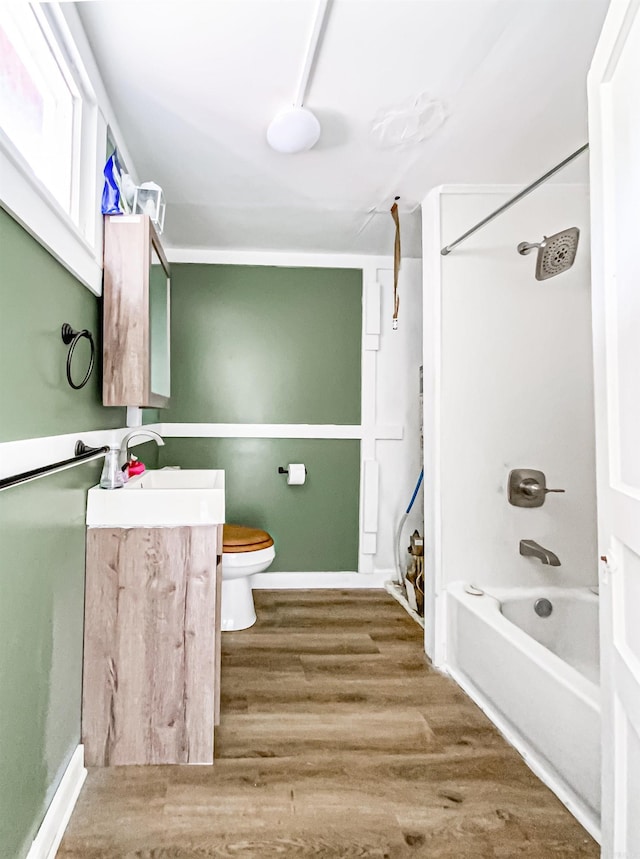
69,336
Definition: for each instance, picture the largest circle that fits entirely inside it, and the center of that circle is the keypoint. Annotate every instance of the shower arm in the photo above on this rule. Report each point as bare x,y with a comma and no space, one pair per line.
448,248
526,247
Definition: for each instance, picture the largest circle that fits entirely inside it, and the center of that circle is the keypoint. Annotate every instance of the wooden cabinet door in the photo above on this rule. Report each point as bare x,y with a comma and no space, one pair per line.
136,348
150,653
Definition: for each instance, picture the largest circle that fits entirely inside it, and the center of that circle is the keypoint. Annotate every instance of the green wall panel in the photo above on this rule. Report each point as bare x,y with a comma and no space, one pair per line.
256,344
147,453
42,533
36,296
315,526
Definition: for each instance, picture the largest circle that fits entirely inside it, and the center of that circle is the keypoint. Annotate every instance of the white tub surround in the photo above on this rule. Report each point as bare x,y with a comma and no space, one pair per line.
547,708
508,384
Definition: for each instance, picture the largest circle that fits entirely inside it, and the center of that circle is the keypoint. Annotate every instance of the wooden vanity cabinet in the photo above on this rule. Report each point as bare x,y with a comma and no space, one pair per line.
151,670
136,314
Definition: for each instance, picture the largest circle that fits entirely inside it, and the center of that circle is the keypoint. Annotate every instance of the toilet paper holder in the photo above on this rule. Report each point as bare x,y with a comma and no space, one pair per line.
282,470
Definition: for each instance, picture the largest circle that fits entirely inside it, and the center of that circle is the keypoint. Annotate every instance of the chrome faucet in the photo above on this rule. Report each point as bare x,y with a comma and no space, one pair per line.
531,549
124,444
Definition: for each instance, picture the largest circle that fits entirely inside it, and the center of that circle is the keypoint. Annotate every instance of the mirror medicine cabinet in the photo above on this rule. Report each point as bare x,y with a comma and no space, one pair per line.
136,317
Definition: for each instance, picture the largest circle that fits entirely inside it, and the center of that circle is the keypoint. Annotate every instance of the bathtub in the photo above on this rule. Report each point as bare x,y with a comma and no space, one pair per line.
537,680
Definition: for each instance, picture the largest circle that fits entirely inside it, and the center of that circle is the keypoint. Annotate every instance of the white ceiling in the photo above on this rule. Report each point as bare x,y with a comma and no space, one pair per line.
194,86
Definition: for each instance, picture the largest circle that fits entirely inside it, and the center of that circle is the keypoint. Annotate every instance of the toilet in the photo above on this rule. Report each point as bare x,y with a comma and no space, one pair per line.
245,551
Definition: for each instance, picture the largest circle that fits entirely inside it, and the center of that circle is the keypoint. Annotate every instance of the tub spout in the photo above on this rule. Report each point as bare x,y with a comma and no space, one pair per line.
531,549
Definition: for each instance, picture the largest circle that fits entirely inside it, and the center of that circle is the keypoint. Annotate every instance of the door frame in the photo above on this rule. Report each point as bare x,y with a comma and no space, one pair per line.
619,21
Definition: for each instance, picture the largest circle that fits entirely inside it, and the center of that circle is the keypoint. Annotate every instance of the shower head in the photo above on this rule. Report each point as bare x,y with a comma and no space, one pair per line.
555,253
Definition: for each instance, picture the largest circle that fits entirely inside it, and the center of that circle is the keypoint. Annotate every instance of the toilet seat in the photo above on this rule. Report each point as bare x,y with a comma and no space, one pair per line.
237,539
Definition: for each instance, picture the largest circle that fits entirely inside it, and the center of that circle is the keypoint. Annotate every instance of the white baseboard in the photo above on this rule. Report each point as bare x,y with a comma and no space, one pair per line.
398,593
310,581
47,841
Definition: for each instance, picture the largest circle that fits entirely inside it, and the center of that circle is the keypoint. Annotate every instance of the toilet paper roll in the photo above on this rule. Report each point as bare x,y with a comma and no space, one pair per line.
297,474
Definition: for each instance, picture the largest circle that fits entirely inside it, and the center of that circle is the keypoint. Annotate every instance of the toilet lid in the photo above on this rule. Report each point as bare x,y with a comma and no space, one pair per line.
240,538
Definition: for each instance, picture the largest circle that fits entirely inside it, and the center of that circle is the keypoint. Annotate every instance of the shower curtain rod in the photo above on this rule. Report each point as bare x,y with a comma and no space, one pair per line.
448,248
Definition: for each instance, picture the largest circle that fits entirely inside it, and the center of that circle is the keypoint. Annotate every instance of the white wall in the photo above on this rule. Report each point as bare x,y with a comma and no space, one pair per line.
396,402
510,386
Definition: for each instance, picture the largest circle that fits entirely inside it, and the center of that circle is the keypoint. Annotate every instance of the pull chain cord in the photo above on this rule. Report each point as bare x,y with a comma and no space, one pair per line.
396,263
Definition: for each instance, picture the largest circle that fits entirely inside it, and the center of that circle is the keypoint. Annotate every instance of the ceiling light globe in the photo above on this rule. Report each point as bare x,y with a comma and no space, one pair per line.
293,130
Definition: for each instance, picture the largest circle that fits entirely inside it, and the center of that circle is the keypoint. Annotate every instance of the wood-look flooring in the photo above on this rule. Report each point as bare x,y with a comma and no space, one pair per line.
337,741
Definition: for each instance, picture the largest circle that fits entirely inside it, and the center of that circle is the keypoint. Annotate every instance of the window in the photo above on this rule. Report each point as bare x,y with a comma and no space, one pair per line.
40,103
53,133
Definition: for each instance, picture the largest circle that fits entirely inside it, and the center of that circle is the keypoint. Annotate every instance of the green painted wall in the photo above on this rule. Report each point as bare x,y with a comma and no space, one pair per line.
41,615
315,526
41,534
258,344
36,296
254,344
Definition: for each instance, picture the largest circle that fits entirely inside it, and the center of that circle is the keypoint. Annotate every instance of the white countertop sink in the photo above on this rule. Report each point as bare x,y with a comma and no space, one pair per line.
164,498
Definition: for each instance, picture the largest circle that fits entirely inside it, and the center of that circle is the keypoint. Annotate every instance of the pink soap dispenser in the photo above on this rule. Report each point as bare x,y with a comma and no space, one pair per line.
135,466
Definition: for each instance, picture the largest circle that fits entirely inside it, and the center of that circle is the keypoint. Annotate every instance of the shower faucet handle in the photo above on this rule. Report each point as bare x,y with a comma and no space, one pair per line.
527,487
531,487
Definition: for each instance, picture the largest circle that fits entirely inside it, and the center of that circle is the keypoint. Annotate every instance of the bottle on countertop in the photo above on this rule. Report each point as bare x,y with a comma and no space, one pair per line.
111,477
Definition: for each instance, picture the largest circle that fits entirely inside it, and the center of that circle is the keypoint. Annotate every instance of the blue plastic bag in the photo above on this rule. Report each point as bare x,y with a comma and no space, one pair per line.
111,193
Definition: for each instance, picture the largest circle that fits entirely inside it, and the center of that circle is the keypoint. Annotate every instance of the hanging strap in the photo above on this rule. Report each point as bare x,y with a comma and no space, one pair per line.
396,264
